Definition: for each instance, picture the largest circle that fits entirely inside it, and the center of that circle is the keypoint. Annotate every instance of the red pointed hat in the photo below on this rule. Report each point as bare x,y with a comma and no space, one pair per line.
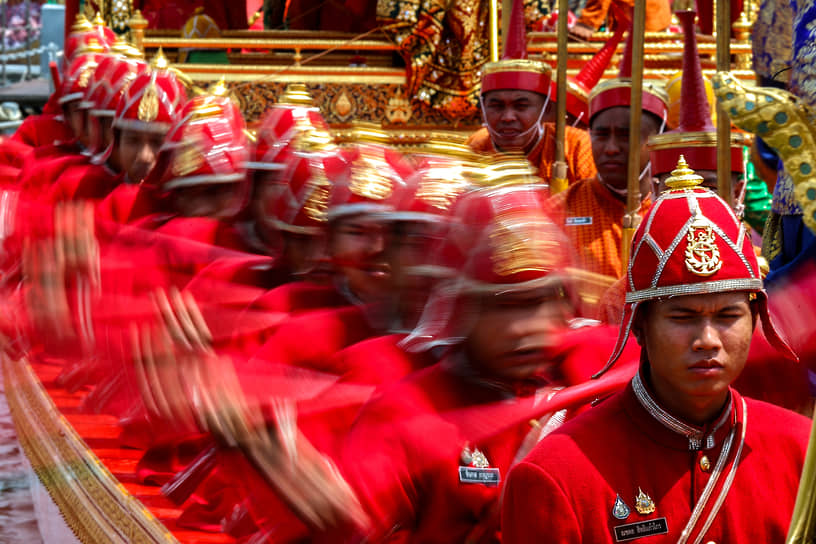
84,32
294,142
208,145
515,71
695,136
113,74
377,175
579,87
294,124
79,75
151,102
691,243
500,239
618,91
446,171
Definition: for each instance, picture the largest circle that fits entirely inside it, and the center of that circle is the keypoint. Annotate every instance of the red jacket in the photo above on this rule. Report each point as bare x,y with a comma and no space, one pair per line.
45,129
405,455
84,181
565,491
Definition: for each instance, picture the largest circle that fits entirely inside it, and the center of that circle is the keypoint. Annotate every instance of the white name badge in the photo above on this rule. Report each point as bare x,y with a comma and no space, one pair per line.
484,476
574,221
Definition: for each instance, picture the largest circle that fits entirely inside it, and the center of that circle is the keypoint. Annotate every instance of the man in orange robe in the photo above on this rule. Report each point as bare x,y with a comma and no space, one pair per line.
515,95
592,209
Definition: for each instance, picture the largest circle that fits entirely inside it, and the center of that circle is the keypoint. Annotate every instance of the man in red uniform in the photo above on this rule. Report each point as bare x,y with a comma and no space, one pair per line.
43,164
679,455
428,455
145,110
591,211
515,94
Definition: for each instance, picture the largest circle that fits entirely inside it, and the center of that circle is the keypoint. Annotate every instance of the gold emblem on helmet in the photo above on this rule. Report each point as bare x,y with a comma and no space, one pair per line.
317,203
188,158
702,253
85,75
369,178
438,193
519,246
149,104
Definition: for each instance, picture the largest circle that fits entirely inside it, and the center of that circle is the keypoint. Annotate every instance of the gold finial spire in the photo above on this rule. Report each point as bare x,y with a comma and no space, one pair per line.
98,20
296,94
683,177
159,61
120,46
220,88
81,24
91,45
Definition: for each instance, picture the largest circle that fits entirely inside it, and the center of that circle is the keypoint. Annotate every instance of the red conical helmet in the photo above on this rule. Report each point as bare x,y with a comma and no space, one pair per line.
293,124
79,75
111,77
435,186
151,102
376,177
515,71
208,145
83,32
695,136
500,239
691,243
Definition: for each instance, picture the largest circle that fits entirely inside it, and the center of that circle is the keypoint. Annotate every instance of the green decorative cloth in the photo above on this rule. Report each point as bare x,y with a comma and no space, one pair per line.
757,197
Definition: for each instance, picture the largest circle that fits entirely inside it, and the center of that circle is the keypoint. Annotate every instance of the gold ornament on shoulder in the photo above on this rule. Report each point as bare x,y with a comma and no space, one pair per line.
702,253
149,105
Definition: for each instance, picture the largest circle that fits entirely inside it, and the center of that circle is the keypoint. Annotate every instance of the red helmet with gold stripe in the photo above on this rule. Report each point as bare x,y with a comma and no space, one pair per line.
79,76
111,77
84,32
691,243
500,239
207,145
151,102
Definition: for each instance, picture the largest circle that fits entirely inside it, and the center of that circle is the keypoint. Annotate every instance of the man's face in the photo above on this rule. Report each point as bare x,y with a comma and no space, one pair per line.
357,247
697,345
216,201
137,152
78,121
510,115
412,245
99,128
301,252
709,181
513,331
609,134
